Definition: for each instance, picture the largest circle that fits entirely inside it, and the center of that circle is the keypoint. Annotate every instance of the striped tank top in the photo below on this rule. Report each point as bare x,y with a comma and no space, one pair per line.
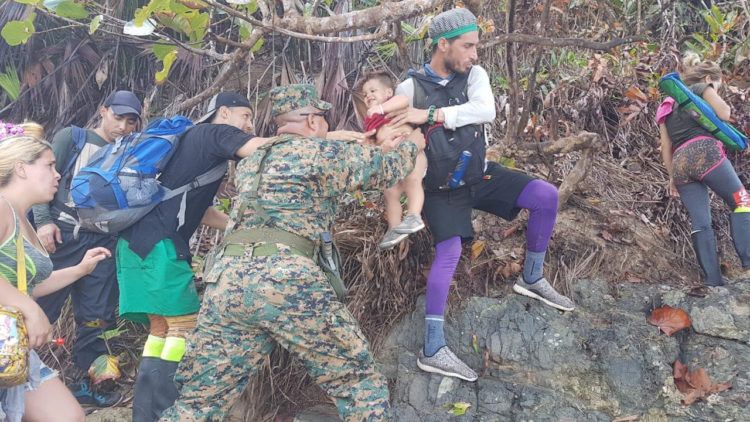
38,264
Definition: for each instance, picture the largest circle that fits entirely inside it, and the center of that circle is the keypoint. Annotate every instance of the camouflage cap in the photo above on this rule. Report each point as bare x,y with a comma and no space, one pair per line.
294,97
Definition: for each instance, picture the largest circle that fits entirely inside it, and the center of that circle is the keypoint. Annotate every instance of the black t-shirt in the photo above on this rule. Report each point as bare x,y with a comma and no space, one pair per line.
199,150
682,126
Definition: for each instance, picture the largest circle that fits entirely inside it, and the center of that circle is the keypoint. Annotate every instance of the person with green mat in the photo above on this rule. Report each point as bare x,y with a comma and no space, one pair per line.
696,161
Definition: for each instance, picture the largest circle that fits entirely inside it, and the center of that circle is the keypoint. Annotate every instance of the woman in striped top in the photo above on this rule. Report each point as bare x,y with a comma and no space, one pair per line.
28,177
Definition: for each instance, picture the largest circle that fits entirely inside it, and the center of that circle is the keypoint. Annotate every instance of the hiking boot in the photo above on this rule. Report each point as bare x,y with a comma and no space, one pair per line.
411,224
86,397
543,291
445,362
391,239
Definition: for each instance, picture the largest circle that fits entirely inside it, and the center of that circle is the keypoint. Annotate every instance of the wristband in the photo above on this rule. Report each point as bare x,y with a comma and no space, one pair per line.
431,115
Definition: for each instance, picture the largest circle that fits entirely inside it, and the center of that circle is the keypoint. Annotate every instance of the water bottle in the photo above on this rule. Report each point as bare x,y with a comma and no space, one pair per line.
456,179
328,249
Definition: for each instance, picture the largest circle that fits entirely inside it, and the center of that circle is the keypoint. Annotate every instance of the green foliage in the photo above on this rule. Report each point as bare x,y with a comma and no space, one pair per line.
258,45
113,333
225,205
10,83
18,32
568,58
67,9
167,54
720,25
500,82
458,408
94,25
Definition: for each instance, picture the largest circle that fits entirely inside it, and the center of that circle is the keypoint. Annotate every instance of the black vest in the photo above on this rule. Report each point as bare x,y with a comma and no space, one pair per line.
444,146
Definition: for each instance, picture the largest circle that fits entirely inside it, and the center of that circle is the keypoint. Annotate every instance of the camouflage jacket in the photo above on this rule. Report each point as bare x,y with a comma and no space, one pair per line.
303,180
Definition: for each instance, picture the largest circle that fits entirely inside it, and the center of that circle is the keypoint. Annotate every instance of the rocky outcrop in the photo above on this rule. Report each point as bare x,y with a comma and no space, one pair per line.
599,363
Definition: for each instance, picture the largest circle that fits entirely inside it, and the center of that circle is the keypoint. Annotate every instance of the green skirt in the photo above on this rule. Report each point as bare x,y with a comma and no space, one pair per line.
161,284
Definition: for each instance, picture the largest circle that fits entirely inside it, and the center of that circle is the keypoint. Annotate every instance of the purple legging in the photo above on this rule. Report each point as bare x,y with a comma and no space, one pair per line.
539,197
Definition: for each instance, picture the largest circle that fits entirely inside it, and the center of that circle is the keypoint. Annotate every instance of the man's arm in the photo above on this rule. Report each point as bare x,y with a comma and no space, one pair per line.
481,105
395,103
479,109
251,146
47,231
354,166
215,219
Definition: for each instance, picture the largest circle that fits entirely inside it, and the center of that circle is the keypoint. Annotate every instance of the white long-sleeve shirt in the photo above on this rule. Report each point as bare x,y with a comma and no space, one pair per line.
479,109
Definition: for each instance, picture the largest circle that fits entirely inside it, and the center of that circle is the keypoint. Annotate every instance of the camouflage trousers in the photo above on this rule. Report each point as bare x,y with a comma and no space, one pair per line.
251,305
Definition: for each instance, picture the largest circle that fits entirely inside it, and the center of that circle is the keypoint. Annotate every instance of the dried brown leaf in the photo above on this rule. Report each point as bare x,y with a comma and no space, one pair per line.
669,319
477,247
634,93
695,384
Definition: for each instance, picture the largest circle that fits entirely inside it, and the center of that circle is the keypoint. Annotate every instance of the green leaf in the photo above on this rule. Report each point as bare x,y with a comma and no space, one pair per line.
257,46
251,7
10,83
161,50
167,62
105,367
475,340
198,26
113,333
507,162
458,408
94,25
18,32
27,1
145,12
245,31
225,205
72,10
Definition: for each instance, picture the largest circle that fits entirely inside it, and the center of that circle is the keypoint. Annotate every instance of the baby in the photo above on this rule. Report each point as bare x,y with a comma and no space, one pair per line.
376,90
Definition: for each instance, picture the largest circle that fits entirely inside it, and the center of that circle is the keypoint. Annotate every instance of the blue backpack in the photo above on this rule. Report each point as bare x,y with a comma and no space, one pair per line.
120,185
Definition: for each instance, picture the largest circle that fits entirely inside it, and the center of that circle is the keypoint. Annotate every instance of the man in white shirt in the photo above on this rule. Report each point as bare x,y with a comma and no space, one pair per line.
451,99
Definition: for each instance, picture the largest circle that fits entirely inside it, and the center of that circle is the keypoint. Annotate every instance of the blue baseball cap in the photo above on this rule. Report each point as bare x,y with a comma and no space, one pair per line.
123,102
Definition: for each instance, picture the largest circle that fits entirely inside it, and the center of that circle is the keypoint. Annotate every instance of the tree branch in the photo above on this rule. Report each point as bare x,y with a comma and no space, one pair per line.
529,96
311,25
568,144
511,119
237,59
561,42
305,36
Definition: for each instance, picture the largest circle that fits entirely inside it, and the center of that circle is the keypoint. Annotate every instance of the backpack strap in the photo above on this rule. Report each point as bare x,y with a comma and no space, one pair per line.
204,179
79,140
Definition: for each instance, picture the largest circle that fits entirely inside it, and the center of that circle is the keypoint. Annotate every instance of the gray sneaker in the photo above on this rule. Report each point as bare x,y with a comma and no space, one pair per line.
391,239
444,362
412,223
543,291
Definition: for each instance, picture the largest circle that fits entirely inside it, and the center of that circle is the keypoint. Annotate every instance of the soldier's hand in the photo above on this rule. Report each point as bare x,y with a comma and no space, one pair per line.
417,137
369,138
391,143
346,135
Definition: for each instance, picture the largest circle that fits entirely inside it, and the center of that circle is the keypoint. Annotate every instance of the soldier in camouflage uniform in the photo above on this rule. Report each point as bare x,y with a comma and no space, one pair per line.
265,287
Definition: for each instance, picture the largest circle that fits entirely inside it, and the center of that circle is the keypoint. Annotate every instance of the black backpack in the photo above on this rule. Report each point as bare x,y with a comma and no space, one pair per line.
444,146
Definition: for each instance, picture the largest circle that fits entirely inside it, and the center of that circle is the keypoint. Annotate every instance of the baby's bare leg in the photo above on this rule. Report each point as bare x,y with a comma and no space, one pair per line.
393,211
412,186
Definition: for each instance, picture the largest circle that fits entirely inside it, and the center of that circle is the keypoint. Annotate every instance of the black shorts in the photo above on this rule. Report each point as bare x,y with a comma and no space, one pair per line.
448,214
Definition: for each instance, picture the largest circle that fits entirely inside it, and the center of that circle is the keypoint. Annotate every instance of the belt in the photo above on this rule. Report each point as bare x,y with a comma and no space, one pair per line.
235,243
